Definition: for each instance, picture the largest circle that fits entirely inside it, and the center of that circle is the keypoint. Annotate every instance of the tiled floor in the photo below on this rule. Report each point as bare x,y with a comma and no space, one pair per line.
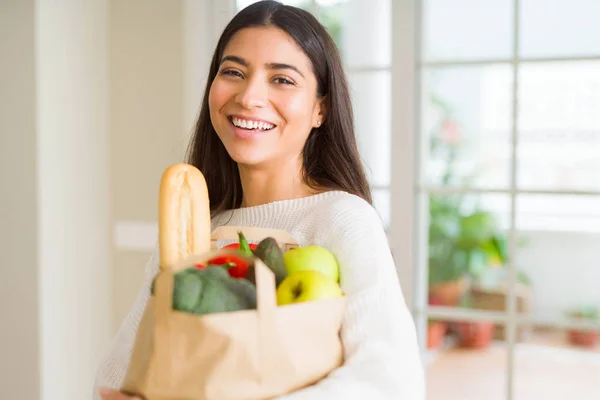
545,368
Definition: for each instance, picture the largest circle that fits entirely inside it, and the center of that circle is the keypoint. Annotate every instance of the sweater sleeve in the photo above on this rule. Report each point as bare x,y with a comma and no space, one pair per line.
113,366
381,354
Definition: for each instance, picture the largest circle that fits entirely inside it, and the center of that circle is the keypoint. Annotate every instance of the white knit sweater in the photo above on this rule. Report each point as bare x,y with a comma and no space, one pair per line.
382,360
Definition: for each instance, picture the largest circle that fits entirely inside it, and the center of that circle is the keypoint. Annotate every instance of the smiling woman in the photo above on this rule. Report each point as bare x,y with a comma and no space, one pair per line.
275,141
252,90
276,64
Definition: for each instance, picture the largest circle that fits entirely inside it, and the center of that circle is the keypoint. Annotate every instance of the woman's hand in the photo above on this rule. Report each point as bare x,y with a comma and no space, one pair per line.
109,394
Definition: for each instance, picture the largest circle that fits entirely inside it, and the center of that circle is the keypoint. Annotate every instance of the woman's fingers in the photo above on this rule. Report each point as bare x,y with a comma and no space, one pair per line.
110,394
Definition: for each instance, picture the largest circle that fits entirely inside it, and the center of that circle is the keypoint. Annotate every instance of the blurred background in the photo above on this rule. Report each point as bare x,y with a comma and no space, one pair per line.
478,122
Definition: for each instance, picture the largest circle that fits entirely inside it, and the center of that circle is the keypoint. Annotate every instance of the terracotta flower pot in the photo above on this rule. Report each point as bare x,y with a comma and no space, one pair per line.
435,333
583,338
448,293
475,335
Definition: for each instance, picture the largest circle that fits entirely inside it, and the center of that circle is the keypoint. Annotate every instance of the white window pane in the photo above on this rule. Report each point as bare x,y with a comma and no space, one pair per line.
362,29
559,126
371,97
559,28
466,126
558,213
467,29
382,203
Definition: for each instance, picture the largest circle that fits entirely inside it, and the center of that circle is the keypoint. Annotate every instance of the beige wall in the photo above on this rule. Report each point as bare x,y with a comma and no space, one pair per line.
19,311
146,122
159,57
96,99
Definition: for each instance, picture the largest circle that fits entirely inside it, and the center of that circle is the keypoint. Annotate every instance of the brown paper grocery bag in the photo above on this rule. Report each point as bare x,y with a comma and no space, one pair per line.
241,355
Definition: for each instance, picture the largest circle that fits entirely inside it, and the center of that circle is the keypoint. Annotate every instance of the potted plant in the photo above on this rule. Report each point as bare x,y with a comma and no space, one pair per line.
463,242
474,334
436,331
584,337
464,239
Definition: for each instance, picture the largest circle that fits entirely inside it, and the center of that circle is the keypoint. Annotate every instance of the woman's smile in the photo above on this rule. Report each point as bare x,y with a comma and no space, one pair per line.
250,128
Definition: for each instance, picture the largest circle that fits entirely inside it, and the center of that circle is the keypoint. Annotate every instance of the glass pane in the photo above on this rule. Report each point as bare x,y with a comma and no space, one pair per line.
471,365
362,30
466,122
467,248
467,252
562,213
559,28
467,30
555,358
371,97
559,126
382,203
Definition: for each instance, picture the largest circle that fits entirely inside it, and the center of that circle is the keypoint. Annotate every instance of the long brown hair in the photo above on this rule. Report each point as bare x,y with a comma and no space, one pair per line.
330,156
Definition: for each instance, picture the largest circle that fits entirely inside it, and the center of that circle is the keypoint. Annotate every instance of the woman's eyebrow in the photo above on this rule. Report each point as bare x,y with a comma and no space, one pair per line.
235,59
284,66
272,65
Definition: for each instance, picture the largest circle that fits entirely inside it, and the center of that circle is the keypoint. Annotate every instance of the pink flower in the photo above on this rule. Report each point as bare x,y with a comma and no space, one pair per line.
451,132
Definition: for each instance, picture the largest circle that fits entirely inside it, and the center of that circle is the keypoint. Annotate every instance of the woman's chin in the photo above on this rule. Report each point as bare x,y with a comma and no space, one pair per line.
247,157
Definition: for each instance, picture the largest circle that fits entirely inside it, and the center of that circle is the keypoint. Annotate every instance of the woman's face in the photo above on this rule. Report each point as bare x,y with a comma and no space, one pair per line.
263,102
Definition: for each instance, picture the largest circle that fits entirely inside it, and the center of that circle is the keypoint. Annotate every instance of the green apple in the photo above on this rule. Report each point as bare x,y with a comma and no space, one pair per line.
307,285
313,258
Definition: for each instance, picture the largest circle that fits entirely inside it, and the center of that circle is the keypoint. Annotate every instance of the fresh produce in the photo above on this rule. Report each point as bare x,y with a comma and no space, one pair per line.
244,246
269,252
314,258
211,290
236,246
235,265
307,285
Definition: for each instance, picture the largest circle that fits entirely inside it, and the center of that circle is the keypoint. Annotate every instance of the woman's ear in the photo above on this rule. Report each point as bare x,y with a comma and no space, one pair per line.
320,112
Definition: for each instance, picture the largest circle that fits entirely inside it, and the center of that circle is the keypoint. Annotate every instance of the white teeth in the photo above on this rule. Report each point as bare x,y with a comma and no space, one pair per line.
242,123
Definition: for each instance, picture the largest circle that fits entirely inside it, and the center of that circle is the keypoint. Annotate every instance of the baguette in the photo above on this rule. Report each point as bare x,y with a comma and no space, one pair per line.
184,215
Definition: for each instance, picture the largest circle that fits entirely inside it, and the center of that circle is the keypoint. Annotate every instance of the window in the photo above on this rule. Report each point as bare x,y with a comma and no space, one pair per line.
467,93
509,132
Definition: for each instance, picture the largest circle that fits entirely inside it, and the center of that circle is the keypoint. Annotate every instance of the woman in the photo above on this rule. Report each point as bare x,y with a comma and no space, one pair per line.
275,141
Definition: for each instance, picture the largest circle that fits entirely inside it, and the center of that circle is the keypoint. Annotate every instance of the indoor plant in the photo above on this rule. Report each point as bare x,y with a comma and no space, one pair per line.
473,334
584,337
464,239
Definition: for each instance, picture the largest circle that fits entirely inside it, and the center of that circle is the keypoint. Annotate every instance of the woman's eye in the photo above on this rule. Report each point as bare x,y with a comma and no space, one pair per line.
284,81
231,72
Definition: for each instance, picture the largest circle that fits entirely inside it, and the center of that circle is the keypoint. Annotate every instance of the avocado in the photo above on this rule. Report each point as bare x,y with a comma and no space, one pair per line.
268,251
211,290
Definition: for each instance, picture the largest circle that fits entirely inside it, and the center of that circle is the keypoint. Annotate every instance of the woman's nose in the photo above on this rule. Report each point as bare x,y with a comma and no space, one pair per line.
254,94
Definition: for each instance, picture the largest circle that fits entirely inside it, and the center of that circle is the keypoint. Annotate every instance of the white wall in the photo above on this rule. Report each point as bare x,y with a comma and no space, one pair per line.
55,303
73,201
564,269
